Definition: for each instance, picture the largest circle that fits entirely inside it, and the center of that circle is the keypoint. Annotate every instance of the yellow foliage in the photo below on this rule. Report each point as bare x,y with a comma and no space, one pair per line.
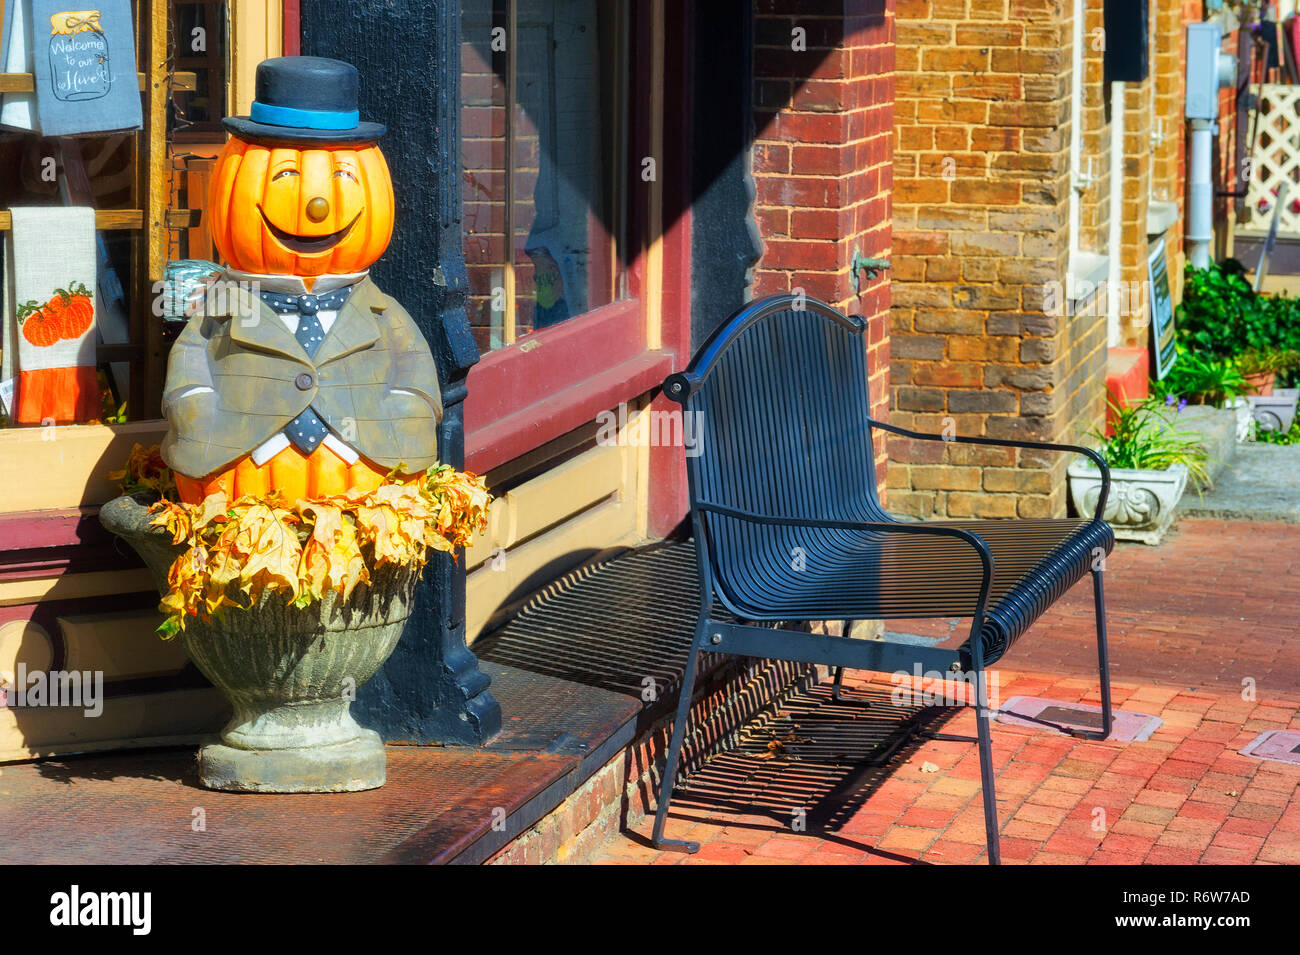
145,471
238,551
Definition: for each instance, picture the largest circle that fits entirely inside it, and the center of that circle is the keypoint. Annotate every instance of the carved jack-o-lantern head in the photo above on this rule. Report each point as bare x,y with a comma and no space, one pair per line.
301,188
300,209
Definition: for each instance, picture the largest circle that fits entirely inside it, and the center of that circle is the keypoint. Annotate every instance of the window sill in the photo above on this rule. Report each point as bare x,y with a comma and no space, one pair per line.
1085,275
558,413
1161,214
66,466
520,397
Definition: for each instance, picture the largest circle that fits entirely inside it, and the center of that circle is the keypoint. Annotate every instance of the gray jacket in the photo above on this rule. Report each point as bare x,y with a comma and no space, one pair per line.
261,379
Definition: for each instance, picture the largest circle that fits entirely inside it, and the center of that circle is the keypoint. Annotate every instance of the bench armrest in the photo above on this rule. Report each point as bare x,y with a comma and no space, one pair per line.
1007,443
885,527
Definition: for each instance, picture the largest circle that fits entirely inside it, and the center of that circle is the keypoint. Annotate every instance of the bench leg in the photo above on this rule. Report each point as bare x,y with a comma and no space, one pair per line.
837,688
675,752
987,791
1103,663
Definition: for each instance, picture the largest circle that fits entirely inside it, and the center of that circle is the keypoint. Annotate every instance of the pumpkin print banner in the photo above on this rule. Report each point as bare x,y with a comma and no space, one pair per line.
50,315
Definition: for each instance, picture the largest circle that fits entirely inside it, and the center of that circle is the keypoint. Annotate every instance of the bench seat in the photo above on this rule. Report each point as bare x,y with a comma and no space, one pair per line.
860,575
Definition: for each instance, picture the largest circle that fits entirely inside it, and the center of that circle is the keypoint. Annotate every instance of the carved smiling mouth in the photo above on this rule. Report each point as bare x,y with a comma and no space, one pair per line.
308,244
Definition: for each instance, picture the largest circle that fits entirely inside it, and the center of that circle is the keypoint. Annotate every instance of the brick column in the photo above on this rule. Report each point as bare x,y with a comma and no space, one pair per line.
981,240
1169,71
824,121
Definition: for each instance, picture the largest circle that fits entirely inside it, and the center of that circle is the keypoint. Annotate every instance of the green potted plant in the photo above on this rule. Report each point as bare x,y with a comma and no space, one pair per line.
1203,379
1260,367
1150,461
1273,409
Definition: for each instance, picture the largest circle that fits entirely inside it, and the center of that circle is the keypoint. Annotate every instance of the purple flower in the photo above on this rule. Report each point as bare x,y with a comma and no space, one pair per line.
1170,399
1182,404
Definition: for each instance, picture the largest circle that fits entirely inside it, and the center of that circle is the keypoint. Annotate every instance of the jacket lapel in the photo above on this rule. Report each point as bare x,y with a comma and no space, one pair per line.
355,327
266,333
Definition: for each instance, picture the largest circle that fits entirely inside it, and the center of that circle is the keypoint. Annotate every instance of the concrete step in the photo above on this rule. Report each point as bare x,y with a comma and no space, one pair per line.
1218,430
1261,484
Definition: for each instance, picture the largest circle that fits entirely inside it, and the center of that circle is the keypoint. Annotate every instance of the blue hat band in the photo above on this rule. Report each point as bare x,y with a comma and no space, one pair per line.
302,118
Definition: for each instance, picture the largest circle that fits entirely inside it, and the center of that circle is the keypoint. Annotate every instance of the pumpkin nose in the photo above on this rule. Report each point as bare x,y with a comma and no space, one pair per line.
317,209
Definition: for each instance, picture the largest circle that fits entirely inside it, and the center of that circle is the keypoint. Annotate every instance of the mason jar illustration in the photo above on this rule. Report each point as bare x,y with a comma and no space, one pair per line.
79,66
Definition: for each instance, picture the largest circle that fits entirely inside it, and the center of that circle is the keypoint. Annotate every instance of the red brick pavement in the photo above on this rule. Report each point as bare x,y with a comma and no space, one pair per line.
1216,605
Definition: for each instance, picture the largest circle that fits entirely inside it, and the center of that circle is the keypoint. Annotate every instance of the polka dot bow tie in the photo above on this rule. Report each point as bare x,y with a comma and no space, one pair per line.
309,333
307,430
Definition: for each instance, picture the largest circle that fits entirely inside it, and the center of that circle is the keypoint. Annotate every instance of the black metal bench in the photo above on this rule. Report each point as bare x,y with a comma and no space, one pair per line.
788,525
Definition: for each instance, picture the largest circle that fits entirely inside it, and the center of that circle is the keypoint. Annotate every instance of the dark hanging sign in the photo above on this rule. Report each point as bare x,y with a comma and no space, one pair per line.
1126,40
1162,310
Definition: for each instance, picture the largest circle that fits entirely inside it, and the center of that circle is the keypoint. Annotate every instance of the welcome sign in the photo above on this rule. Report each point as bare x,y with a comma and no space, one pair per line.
79,61
84,67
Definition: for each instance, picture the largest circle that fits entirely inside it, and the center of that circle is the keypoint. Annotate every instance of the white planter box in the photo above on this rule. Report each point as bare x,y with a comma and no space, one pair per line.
1140,506
1275,412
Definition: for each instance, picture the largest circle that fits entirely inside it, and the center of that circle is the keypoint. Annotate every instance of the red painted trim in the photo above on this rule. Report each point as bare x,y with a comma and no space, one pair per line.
62,527
558,413
66,540
292,20
667,497
538,365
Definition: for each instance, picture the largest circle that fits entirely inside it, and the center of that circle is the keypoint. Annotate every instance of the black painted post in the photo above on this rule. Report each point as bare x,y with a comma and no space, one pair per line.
725,242
408,54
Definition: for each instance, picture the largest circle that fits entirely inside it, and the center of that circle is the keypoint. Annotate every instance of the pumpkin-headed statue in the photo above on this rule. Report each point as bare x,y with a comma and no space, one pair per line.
307,379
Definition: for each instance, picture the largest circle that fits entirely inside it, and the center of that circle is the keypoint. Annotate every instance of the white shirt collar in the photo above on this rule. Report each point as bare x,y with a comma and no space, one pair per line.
293,284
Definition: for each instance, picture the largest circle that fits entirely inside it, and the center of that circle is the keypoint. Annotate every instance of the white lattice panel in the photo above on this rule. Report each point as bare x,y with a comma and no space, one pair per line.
1276,158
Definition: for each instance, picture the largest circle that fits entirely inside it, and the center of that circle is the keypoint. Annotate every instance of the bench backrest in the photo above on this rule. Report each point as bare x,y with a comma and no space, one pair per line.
779,402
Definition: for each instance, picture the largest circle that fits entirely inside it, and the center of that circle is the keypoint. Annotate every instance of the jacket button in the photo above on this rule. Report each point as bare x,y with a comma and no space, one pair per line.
304,382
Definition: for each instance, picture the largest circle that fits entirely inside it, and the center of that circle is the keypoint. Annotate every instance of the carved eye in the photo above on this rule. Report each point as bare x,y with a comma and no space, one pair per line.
344,174
284,172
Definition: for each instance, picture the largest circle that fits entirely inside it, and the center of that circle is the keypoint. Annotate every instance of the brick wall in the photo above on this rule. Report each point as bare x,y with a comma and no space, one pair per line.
981,212
823,105
1094,201
1139,122
982,341
1167,156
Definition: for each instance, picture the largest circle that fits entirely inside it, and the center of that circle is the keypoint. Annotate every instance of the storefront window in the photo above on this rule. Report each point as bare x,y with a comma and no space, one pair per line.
542,158
200,44
83,338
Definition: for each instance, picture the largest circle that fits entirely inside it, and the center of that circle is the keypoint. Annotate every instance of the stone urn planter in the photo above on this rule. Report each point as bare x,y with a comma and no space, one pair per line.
289,673
1275,411
1141,503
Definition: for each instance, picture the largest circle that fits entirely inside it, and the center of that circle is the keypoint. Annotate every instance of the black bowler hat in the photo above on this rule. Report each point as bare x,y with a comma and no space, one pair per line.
305,99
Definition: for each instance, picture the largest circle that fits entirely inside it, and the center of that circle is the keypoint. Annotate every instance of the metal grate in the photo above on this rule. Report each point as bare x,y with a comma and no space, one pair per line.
615,625
1072,718
808,756
1280,746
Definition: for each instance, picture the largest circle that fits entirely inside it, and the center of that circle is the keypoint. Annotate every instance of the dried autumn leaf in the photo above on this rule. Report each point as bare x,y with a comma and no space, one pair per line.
174,517
145,471
331,557
213,509
236,551
269,548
